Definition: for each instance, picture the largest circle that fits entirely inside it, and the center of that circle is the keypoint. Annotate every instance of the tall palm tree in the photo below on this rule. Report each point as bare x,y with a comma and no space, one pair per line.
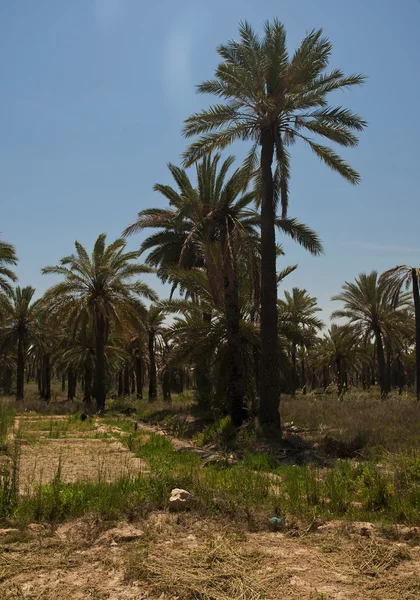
297,321
398,278
369,307
102,287
274,99
19,326
7,258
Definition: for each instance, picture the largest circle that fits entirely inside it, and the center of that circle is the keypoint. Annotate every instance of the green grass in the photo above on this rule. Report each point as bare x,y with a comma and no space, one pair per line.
249,492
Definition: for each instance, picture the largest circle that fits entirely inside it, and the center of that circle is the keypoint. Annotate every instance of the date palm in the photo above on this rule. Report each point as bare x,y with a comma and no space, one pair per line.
369,307
213,225
274,99
298,321
404,276
7,258
102,286
19,328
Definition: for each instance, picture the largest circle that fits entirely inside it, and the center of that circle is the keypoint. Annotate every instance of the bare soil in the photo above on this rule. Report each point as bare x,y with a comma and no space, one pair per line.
78,457
170,557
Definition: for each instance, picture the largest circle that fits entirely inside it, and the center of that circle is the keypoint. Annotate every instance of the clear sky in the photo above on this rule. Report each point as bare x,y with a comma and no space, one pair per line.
93,94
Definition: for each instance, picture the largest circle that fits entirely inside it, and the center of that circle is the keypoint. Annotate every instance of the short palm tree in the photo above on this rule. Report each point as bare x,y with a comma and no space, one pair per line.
340,350
298,321
102,287
19,328
398,278
274,99
369,308
7,258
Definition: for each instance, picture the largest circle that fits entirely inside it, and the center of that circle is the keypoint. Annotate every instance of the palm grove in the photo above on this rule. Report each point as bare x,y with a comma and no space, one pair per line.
103,331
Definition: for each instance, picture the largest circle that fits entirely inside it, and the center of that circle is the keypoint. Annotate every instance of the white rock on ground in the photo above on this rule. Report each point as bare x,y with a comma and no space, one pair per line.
179,499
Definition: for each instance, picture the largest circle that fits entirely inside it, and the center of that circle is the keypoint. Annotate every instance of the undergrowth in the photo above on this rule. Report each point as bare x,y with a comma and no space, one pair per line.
249,492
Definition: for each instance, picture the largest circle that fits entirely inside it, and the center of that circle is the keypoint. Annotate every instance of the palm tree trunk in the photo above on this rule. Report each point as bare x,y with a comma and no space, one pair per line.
270,389
20,370
71,385
416,297
382,376
87,392
139,377
340,382
100,362
294,370
235,373
303,375
120,383
47,377
202,376
152,368
63,382
126,380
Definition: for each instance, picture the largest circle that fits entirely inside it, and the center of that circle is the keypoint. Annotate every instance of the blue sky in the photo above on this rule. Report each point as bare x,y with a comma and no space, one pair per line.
93,96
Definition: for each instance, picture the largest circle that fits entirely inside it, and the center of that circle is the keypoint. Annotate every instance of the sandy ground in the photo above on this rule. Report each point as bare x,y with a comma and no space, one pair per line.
183,557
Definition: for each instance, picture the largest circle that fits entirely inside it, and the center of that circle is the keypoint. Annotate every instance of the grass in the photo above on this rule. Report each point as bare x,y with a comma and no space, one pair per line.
248,493
360,424
218,571
7,418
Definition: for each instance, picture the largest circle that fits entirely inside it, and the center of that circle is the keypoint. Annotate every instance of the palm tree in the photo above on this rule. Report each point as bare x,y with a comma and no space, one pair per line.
398,278
154,327
19,325
102,287
340,350
297,321
271,99
369,307
211,225
7,258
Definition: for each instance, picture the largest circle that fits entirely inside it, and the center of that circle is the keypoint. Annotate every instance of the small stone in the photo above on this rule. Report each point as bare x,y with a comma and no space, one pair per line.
179,499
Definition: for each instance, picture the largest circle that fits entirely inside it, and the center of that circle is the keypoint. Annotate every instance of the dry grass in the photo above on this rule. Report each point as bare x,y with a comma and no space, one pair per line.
219,570
361,422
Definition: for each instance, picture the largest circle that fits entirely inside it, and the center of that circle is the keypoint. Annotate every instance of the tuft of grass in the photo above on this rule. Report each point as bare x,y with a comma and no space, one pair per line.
7,419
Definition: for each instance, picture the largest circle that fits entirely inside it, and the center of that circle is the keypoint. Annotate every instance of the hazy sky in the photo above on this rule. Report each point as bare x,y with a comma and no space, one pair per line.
93,94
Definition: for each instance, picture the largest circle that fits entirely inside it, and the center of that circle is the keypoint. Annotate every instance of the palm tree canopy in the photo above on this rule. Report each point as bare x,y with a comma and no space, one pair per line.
398,278
7,258
368,304
261,86
103,283
19,315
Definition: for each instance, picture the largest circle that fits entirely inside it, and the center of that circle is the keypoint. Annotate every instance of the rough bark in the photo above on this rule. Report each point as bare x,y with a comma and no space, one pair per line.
20,369
100,362
235,373
139,377
87,389
382,376
126,380
152,368
270,380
